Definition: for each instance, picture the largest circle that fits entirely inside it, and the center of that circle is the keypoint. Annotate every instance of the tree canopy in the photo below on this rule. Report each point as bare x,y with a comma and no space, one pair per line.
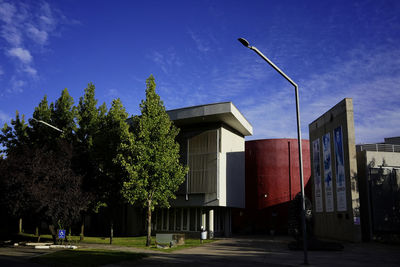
152,160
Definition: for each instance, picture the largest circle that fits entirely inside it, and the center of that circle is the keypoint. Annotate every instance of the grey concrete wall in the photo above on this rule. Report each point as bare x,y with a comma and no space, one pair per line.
337,224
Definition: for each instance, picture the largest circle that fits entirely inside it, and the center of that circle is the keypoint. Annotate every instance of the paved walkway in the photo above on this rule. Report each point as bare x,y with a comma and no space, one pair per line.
264,251
247,251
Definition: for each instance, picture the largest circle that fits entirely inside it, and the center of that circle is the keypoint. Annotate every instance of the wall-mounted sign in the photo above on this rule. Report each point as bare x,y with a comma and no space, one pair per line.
317,176
326,148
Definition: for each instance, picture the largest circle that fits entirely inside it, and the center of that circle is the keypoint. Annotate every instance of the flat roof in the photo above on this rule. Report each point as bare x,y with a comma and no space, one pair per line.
224,112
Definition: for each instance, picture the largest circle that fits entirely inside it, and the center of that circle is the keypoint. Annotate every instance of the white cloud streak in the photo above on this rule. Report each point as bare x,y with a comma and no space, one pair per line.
22,54
26,29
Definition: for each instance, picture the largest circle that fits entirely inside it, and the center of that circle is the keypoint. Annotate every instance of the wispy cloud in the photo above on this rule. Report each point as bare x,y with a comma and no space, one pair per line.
26,29
38,36
20,53
201,44
16,85
370,77
166,60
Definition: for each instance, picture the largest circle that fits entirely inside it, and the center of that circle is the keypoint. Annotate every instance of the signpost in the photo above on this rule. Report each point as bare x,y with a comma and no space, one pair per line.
61,234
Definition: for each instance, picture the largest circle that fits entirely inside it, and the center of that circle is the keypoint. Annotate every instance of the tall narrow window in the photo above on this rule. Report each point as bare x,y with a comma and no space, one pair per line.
203,163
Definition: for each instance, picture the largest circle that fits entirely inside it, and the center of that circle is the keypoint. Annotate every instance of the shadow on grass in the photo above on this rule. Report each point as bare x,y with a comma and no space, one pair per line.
87,257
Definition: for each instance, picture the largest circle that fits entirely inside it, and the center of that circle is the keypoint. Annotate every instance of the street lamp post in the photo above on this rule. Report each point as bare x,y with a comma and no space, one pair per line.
303,219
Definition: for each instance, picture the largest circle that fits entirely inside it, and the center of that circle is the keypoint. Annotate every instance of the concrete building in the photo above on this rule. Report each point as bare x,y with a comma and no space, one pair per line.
379,184
212,145
334,174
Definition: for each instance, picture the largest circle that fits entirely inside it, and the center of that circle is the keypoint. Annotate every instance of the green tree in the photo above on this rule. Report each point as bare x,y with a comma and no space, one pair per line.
89,118
40,134
114,132
63,114
152,161
14,136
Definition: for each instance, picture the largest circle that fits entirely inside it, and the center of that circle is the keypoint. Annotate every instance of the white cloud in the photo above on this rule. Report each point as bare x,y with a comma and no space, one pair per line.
16,85
370,77
31,71
39,36
26,28
22,54
7,11
11,34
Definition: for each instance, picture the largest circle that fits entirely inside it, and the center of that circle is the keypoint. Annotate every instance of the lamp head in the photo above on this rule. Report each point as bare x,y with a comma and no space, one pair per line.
244,42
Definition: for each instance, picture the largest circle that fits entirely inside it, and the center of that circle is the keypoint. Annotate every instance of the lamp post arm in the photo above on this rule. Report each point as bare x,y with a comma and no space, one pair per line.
49,125
273,65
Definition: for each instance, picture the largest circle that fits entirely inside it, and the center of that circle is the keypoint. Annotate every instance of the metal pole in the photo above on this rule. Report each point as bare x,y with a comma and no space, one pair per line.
303,210
303,217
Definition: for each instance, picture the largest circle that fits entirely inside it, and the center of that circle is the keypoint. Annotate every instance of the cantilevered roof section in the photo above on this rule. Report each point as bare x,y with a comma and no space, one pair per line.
224,112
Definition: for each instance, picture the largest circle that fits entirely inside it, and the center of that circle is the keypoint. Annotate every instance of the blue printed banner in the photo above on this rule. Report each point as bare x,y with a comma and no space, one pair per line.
340,173
326,144
317,176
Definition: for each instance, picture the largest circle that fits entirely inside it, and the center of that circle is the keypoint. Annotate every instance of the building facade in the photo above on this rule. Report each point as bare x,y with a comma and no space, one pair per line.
379,182
272,181
212,145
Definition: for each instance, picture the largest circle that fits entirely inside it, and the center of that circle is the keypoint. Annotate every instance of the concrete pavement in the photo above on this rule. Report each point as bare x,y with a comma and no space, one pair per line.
265,251
242,251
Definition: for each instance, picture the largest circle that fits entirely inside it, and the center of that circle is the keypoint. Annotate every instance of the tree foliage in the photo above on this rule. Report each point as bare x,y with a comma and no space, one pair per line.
152,160
40,182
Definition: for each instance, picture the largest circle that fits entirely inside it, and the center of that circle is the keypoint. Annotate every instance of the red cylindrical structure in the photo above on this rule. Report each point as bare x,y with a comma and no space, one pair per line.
272,171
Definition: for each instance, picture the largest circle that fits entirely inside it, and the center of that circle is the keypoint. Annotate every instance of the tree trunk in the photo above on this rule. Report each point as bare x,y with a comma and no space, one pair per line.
20,226
37,233
53,233
148,241
82,235
111,231
69,234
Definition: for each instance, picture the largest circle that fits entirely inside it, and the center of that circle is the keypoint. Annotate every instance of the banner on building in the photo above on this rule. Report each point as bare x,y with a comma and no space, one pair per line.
340,174
326,144
317,176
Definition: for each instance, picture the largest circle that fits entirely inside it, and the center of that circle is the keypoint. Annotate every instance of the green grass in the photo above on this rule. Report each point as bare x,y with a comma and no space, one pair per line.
137,242
86,257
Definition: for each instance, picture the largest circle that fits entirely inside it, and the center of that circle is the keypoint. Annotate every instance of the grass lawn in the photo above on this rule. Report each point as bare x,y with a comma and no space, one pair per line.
138,242
86,257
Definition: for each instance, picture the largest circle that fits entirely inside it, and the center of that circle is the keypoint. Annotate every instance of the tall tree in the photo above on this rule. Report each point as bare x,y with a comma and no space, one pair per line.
152,161
89,119
63,114
114,132
14,136
39,133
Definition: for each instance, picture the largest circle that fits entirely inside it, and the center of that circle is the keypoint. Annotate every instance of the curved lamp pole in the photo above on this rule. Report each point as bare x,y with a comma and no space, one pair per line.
303,219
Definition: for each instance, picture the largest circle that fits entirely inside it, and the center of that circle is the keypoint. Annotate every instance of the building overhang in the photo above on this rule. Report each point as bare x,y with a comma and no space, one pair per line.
224,112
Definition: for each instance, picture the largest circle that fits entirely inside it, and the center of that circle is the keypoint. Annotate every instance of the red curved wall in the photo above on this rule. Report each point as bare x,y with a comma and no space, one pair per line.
272,171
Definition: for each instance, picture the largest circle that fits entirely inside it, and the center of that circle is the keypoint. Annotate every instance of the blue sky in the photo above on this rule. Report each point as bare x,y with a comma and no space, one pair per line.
332,49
